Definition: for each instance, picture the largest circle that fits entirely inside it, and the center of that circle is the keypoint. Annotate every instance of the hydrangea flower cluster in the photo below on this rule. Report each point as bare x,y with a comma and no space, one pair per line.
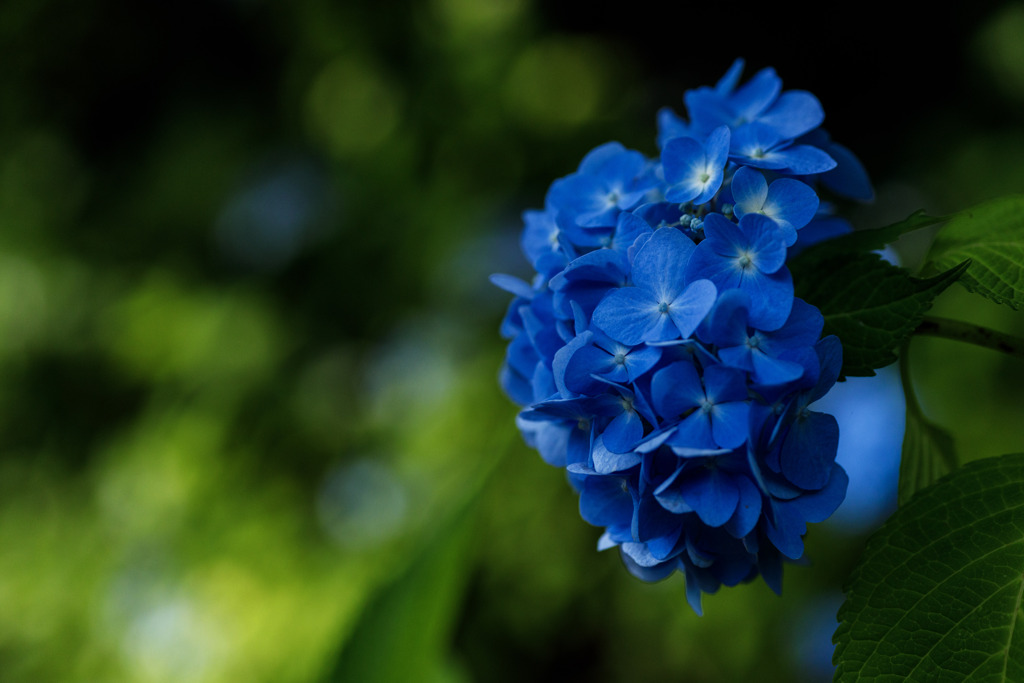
660,354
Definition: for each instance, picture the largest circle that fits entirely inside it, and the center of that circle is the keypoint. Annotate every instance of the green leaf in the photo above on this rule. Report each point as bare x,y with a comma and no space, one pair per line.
991,235
869,240
937,595
871,305
928,455
403,633
928,452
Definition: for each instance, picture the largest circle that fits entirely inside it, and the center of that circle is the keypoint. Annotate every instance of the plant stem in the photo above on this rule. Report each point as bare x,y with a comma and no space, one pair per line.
972,334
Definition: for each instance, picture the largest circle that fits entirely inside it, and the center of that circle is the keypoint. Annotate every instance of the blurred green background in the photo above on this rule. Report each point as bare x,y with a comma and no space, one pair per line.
250,426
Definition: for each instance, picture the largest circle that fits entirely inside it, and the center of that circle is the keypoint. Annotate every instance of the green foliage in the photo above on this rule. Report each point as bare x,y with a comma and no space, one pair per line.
403,633
937,595
871,305
868,240
991,235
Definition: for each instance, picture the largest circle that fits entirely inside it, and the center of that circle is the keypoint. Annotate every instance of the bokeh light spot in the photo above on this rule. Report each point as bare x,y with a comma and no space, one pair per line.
1000,48
473,18
557,84
352,107
362,504
268,222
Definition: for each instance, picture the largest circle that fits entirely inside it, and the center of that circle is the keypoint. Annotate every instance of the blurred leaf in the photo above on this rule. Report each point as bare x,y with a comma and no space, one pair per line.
991,235
404,631
927,455
868,240
871,305
937,595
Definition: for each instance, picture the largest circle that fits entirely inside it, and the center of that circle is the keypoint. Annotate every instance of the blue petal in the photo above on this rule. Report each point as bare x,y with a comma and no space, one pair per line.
689,309
543,382
597,160
630,315
675,389
640,554
726,324
660,265
712,494
804,160
569,218
707,109
774,371
749,190
786,533
682,159
757,94
580,444
694,432
809,450
703,452
724,384
694,171
753,145
605,501
568,381
624,432
587,362
666,546
579,194
727,83
748,511
670,126
655,522
729,424
606,541
655,440
629,227
739,356
717,153
551,439
791,202
607,462
669,496
771,298
760,234
602,265
640,360
830,355
848,178
794,113
540,233
708,264
512,285
817,506
802,328
515,384
693,593
655,572
581,468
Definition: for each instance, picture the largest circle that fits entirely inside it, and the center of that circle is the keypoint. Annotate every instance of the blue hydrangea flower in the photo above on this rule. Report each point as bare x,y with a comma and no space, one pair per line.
749,256
694,170
661,306
790,203
659,354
